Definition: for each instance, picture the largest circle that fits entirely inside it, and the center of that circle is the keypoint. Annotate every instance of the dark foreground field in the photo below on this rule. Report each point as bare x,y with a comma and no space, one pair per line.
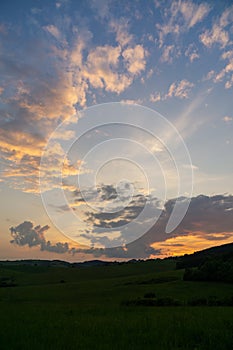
99,308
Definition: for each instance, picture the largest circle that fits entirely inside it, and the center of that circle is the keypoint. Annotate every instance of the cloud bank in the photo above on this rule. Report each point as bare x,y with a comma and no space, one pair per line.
208,218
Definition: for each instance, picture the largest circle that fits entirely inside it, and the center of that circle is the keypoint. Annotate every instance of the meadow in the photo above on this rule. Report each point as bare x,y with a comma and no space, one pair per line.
58,307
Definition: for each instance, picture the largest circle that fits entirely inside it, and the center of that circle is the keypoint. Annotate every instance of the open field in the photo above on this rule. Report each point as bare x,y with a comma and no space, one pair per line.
81,308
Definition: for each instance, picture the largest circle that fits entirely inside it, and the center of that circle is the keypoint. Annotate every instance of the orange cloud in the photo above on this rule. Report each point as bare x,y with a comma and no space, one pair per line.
135,59
192,242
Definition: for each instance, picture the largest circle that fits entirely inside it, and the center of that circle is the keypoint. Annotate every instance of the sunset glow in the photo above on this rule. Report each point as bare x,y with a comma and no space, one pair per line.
107,108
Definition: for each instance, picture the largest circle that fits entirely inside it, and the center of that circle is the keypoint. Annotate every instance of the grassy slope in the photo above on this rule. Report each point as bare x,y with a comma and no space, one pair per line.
85,312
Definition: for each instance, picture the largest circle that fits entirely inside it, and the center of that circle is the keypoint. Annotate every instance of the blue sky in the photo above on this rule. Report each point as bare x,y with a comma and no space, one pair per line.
59,58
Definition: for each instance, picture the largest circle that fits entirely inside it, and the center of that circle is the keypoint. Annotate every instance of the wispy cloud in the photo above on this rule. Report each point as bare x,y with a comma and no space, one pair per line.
226,73
101,8
180,89
219,33
53,30
192,53
168,54
180,17
193,13
155,97
121,28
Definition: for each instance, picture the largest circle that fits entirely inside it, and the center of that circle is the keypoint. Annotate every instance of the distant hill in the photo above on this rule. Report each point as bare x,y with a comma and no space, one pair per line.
224,251
213,264
54,263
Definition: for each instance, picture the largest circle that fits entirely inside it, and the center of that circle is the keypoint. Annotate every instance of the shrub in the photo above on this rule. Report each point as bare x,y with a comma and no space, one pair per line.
197,302
149,295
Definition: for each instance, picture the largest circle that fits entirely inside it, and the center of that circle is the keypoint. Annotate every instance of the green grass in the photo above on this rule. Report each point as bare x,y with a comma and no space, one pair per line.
85,312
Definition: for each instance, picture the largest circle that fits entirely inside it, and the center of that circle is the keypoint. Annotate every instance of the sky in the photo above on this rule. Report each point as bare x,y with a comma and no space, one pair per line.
116,128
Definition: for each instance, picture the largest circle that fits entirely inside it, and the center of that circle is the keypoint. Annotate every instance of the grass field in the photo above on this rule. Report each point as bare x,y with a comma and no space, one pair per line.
81,308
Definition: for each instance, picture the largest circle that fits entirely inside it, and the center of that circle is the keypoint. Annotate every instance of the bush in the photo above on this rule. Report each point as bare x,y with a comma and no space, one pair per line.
149,295
197,302
7,282
166,301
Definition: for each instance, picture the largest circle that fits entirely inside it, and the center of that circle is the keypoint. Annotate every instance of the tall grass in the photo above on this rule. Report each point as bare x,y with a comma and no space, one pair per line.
85,312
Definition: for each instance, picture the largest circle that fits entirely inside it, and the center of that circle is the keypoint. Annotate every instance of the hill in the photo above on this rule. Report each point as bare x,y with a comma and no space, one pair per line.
213,264
199,257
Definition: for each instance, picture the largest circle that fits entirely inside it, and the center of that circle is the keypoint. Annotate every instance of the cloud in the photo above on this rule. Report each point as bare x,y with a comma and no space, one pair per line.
165,29
109,198
119,218
190,166
107,210
208,219
219,33
227,119
124,253
155,97
180,17
192,53
193,13
135,59
229,83
195,241
34,101
108,192
59,248
53,30
210,214
209,75
26,235
167,53
132,102
33,104
101,8
121,28
180,89
226,73
101,69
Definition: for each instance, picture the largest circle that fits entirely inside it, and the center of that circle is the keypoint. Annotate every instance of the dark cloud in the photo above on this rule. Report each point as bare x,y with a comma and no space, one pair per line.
122,216
55,248
107,192
102,192
208,217
172,245
118,252
218,237
26,234
210,214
